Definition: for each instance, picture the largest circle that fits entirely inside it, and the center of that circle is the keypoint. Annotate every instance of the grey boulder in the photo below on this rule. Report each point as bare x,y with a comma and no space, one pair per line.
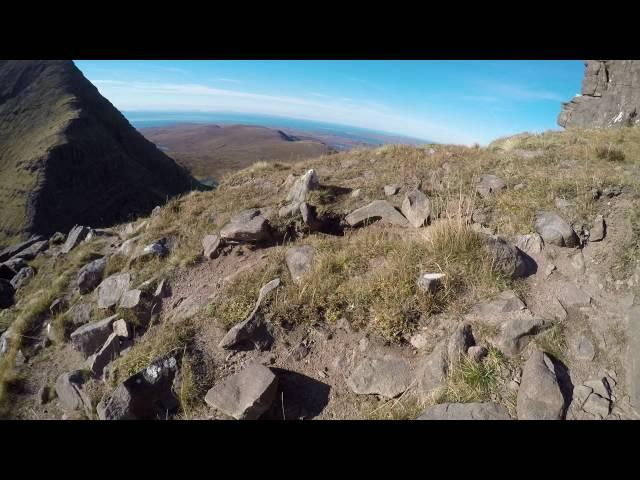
112,288
377,210
245,395
489,184
466,411
90,337
515,334
299,261
539,395
146,395
76,235
387,376
416,207
555,230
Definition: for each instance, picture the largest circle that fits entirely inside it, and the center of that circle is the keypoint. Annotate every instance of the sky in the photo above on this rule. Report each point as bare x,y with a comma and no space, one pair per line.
444,101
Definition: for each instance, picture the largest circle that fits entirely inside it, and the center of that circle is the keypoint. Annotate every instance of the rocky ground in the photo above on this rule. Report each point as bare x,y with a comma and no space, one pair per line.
397,283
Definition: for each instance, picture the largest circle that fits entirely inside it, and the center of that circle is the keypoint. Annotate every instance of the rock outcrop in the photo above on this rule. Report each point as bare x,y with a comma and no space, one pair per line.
68,156
610,96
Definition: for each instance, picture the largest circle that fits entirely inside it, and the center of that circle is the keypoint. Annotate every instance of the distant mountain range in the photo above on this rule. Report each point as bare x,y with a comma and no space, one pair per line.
210,147
211,151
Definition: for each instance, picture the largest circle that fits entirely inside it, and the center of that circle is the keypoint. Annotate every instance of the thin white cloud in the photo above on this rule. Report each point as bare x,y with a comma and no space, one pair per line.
517,92
161,68
197,97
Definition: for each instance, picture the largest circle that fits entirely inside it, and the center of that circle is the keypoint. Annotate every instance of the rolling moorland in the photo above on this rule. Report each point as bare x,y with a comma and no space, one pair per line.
399,282
212,151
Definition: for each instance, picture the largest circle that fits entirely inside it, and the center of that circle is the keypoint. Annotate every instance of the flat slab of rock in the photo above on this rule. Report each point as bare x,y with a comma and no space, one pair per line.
432,370
131,299
32,251
377,210
147,395
90,337
570,295
112,288
254,329
554,230
76,235
12,251
211,246
90,276
539,395
299,261
506,302
416,207
466,411
515,334
248,226
386,376
489,184
245,395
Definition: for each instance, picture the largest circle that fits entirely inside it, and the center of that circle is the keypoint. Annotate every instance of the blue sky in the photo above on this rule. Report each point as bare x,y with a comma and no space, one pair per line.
444,101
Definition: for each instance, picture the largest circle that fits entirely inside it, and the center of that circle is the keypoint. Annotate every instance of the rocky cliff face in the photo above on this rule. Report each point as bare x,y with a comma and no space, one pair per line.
68,156
610,96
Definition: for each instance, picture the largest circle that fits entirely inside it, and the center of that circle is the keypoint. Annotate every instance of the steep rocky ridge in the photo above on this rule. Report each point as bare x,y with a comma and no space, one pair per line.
67,155
610,96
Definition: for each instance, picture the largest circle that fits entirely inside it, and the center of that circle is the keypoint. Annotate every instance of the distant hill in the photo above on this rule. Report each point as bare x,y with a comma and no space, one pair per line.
68,156
213,151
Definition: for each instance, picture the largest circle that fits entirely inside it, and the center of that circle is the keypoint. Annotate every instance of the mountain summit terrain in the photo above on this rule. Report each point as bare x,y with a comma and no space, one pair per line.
400,282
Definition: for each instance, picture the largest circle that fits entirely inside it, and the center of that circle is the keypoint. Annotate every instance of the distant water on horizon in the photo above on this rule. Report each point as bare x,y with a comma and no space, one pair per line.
165,119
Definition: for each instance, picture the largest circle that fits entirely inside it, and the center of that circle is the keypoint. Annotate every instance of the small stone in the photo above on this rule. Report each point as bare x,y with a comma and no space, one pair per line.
598,230
356,193
465,411
490,184
245,395
430,282
390,190
121,329
212,246
477,353
385,376
585,351
531,244
550,268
